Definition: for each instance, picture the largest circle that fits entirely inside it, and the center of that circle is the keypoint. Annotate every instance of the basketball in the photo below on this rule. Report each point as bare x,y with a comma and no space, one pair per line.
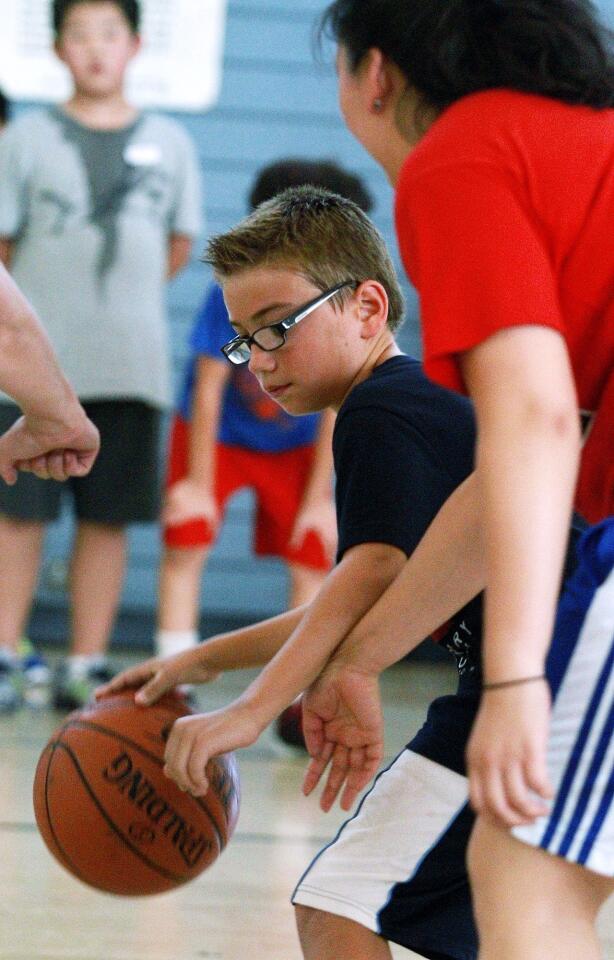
110,816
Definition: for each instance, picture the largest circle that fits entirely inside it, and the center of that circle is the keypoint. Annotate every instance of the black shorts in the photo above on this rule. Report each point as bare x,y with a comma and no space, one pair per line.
122,487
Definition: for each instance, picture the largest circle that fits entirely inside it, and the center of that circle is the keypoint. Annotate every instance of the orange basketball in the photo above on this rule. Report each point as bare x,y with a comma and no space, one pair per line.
109,815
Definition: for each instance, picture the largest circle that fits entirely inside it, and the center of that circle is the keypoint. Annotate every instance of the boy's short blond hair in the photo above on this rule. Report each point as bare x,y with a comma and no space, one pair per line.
322,236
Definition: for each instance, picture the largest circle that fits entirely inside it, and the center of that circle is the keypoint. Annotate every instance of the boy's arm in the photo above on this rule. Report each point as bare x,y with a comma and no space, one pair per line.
251,646
348,592
179,249
317,509
6,251
194,494
444,572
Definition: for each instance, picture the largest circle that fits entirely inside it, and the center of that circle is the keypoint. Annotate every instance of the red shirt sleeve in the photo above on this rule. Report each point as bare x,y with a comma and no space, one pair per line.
477,256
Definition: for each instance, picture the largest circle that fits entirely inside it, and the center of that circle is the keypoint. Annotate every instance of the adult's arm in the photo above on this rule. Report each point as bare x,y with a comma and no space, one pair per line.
527,461
53,438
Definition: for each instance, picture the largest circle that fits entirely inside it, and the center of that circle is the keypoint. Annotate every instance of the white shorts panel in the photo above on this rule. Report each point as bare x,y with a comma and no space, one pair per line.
580,826
409,808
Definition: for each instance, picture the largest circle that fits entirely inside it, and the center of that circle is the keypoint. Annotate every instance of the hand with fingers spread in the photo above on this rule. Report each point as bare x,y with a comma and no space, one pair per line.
344,733
194,740
506,755
156,676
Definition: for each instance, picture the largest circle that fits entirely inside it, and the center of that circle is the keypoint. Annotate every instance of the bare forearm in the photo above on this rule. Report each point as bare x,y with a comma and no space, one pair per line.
29,371
210,378
319,484
526,480
251,646
350,590
444,572
179,249
529,442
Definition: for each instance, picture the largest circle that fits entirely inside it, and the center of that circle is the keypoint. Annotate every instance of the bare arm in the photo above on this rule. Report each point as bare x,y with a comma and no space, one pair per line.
194,494
349,590
6,251
251,646
211,378
528,451
317,509
54,423
179,249
443,573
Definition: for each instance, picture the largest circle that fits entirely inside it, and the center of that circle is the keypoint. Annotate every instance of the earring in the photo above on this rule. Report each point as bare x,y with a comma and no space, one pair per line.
377,105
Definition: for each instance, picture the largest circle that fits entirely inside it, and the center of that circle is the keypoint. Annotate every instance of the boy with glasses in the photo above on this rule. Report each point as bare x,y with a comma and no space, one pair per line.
315,304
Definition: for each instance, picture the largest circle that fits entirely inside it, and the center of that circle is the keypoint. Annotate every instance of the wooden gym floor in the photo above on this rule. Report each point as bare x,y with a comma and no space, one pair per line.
238,909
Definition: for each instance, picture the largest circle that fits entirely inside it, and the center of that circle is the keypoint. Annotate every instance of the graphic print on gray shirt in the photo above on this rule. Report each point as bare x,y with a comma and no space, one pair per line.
90,213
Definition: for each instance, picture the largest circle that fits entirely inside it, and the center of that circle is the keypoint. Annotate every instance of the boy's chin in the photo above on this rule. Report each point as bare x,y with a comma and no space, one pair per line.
300,408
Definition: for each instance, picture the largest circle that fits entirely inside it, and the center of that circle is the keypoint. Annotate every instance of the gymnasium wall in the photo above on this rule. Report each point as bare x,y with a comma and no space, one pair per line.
276,101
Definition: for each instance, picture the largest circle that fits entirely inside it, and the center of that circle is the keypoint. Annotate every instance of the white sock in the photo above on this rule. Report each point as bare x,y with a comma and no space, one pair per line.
169,642
79,663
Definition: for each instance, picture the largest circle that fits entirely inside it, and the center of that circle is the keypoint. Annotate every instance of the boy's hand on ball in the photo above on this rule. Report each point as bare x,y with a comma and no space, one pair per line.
156,676
194,740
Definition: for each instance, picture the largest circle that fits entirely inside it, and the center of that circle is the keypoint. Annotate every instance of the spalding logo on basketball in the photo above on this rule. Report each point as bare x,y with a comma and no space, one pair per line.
109,815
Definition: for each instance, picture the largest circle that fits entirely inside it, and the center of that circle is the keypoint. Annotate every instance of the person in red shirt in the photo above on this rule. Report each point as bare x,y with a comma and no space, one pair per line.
494,122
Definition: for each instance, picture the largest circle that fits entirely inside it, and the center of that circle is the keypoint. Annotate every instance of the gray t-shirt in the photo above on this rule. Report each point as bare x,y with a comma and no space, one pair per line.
90,213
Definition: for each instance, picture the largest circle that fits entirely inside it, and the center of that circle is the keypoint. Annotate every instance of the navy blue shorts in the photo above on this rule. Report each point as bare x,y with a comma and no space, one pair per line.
398,865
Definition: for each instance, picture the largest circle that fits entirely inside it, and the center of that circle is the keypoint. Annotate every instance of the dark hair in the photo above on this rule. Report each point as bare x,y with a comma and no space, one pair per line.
130,8
324,237
4,109
447,49
282,174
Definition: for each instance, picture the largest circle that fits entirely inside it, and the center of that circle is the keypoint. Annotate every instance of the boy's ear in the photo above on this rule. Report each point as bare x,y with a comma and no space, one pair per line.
373,307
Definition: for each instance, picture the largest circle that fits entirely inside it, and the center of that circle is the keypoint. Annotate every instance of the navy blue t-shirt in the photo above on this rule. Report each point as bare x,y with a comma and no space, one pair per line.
401,446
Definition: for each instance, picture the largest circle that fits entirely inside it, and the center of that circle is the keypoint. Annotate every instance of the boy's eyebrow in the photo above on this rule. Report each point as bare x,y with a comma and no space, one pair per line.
260,314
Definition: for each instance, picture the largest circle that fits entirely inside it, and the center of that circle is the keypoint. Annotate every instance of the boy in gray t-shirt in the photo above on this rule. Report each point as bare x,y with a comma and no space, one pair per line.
99,205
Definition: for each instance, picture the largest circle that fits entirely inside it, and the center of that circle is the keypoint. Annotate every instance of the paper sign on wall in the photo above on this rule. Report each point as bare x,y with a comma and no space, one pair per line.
179,67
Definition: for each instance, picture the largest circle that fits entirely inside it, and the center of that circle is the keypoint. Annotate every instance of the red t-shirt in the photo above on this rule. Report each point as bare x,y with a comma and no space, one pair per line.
505,217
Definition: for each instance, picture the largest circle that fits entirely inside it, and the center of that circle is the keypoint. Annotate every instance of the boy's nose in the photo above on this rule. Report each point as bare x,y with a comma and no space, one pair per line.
260,360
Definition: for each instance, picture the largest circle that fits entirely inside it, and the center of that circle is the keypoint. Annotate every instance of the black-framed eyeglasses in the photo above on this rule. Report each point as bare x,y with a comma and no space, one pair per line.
238,350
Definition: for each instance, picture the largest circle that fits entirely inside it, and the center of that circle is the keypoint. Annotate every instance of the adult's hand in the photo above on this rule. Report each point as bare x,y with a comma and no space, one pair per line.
48,450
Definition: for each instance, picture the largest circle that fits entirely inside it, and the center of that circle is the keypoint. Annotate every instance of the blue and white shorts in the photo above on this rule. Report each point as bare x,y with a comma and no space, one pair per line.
398,866
580,826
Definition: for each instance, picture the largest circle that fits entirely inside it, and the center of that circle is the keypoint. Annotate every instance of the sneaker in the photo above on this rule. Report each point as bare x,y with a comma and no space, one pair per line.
74,687
10,684
289,726
36,675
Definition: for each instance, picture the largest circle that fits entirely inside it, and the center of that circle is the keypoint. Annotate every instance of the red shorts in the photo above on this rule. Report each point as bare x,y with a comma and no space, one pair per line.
278,482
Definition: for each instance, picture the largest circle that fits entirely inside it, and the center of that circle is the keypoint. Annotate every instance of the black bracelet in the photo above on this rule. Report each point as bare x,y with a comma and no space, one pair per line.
512,683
